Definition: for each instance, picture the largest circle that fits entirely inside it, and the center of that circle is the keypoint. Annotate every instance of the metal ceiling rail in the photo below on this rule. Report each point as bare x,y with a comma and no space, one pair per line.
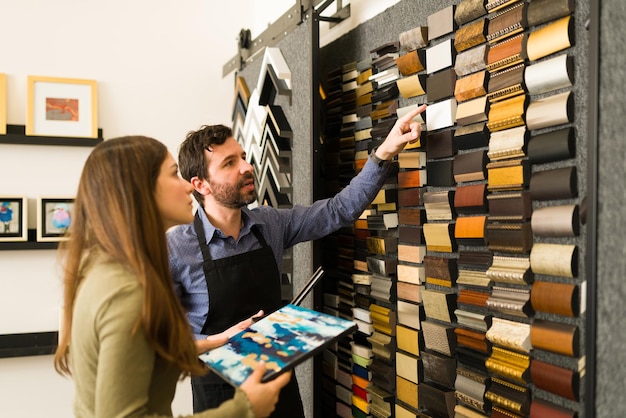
248,48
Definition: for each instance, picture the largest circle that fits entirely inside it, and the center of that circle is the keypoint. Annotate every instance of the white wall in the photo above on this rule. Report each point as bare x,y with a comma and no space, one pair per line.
158,64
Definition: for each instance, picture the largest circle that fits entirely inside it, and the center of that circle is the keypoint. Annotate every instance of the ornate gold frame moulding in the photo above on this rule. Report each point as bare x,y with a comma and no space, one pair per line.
507,143
508,396
507,113
507,174
509,364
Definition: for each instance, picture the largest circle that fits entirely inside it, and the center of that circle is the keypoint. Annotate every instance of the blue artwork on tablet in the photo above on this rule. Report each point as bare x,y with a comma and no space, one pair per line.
282,340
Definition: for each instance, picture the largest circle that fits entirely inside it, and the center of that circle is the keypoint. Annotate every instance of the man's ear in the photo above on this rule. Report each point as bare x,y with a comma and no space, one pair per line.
201,186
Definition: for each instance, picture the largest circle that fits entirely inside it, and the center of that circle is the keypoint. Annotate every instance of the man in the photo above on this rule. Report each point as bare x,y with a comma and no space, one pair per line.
226,264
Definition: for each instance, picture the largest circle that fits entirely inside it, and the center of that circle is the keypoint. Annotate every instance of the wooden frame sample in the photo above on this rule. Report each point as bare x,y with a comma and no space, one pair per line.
54,216
3,104
64,107
13,218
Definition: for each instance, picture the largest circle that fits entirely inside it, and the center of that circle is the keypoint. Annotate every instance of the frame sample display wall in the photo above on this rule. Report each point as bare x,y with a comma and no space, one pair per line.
457,263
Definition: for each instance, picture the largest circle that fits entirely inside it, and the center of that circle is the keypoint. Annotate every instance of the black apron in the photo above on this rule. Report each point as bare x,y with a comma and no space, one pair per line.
238,287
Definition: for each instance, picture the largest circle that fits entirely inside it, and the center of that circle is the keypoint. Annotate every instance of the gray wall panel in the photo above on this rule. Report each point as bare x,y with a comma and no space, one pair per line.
611,338
296,49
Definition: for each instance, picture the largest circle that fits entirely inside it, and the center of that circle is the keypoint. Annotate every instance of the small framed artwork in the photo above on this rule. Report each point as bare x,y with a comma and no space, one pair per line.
54,217
13,218
62,107
3,104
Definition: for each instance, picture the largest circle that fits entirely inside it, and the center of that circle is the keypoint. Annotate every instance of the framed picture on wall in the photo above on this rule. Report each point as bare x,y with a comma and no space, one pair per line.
13,218
62,107
3,104
54,217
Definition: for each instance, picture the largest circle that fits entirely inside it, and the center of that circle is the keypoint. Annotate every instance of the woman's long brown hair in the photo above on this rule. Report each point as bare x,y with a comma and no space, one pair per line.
116,215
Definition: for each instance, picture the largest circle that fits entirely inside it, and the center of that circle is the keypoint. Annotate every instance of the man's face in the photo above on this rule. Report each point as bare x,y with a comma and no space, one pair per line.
231,177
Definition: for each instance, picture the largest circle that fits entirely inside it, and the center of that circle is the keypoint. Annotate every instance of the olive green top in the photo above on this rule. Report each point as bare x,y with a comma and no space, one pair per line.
116,373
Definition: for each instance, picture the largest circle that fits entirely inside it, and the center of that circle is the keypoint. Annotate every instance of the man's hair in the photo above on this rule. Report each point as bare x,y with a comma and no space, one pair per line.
191,159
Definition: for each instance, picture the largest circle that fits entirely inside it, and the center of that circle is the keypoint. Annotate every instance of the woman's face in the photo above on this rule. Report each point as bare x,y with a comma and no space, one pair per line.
173,195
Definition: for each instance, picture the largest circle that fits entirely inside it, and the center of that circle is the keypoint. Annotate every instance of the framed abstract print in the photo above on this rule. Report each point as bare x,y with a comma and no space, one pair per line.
62,107
3,104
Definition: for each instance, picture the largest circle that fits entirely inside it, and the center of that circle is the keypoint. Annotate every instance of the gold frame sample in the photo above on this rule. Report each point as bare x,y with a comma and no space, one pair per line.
3,104
62,107
13,218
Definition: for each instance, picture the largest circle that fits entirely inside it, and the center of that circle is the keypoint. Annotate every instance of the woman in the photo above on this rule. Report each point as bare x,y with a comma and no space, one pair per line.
127,340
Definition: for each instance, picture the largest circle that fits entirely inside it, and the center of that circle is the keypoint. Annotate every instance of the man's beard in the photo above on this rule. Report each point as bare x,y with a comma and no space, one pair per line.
231,196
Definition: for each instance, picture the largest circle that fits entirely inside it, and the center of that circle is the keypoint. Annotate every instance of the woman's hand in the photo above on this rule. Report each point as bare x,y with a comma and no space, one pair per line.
237,328
263,396
216,340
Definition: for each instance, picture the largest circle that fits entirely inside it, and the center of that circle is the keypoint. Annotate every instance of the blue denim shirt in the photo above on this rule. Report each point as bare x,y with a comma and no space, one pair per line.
281,228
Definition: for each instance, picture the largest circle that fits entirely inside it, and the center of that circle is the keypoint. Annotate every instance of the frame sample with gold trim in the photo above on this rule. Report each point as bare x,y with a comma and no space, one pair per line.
62,107
3,104
13,218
